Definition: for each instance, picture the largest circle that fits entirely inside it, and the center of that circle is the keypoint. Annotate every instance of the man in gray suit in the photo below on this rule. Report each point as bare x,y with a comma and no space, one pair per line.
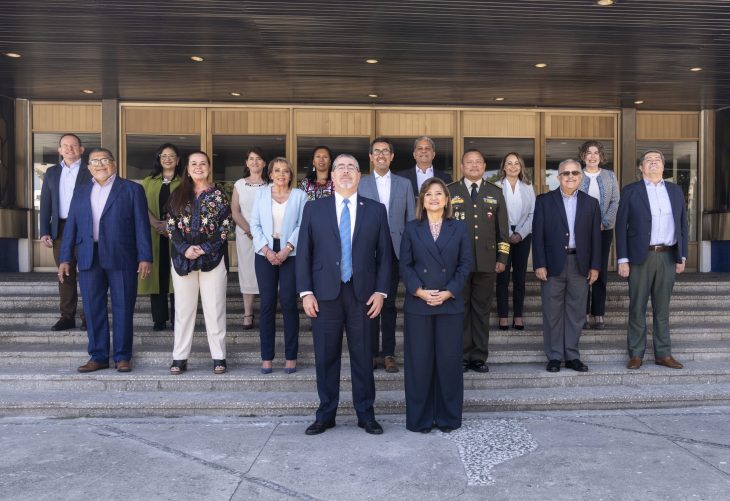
58,187
396,194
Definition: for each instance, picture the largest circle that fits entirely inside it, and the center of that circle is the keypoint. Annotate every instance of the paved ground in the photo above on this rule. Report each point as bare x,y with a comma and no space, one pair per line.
597,455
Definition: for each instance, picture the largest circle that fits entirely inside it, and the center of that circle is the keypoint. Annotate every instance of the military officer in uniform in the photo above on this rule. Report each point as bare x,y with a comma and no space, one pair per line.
481,206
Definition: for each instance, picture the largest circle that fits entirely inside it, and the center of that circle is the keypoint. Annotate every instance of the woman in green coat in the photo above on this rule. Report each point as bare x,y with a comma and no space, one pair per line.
165,178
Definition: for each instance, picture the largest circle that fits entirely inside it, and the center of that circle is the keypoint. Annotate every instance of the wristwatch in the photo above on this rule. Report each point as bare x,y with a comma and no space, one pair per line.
290,246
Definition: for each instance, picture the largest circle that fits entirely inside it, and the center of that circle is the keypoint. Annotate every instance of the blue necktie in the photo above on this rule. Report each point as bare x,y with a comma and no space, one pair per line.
345,243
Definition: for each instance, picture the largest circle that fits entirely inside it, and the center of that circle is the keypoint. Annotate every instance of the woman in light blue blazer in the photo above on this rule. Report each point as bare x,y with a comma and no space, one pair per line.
275,220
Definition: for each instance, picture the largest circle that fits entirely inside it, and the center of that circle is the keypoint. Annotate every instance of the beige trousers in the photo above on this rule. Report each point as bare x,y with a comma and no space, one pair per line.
212,288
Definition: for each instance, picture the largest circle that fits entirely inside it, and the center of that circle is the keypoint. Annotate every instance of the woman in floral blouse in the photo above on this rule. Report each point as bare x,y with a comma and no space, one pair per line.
199,222
318,183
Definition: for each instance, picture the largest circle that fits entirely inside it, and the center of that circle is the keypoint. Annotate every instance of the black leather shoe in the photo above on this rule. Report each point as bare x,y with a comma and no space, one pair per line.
64,324
576,365
372,427
467,366
82,327
478,366
518,327
318,427
158,326
446,429
553,366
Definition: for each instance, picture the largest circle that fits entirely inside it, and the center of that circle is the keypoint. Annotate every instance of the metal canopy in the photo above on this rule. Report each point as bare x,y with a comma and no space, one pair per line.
465,53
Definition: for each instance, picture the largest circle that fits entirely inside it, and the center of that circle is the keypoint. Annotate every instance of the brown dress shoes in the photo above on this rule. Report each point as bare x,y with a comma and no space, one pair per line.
92,365
668,361
634,363
390,364
123,366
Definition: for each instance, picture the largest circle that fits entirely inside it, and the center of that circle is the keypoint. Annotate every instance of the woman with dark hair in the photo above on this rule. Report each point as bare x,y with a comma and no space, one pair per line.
318,183
199,223
275,221
254,179
158,186
519,196
435,260
602,185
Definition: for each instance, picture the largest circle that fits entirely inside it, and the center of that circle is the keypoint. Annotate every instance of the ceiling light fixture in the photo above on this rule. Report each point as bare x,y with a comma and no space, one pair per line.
372,61
696,68
541,65
14,55
235,94
605,3
197,59
638,101
88,91
499,99
372,95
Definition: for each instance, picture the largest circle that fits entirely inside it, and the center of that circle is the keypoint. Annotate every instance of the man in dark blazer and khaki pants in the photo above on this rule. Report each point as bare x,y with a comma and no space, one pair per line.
566,257
651,246
343,276
480,205
59,183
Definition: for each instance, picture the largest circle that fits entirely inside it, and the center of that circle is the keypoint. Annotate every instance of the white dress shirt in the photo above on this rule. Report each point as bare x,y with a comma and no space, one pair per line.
353,211
99,196
662,219
513,199
422,177
67,183
570,202
383,185
468,184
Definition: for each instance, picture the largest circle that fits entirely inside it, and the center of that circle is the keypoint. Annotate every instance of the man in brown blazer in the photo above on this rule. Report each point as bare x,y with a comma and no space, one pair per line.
480,205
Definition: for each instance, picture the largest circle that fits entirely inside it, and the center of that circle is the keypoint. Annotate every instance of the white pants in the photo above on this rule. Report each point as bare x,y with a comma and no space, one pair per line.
212,287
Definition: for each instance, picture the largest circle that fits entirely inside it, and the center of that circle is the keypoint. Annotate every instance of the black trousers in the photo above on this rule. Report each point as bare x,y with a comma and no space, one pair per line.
596,303
385,322
159,302
519,253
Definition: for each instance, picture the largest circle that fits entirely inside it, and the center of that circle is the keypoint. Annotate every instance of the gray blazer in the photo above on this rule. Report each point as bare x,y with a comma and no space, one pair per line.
401,208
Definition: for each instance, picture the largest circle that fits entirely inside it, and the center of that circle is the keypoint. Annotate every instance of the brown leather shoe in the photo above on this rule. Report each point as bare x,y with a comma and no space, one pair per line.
634,363
92,366
390,365
123,366
668,362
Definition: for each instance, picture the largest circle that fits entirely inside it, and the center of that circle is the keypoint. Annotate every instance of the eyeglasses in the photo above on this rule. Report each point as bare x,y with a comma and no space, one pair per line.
567,173
100,161
168,157
384,151
346,168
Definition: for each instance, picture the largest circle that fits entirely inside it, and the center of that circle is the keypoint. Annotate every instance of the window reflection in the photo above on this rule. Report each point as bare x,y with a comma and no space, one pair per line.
680,167
45,155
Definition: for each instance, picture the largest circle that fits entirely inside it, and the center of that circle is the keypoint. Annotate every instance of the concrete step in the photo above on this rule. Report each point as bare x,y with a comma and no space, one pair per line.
199,378
68,404
72,355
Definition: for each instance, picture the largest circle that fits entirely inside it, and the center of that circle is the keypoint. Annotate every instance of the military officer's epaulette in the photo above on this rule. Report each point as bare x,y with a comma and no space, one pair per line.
503,248
453,183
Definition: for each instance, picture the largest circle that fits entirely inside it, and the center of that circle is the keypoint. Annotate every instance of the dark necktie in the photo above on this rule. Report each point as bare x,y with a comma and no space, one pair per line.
474,192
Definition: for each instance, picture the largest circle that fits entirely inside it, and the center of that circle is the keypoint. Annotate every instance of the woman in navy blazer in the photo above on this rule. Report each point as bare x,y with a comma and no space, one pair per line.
435,259
275,220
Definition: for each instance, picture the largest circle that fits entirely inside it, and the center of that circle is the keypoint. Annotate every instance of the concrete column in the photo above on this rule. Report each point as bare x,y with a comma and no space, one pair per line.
628,146
110,126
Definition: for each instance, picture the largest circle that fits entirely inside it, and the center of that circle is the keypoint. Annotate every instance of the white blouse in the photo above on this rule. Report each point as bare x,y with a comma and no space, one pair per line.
277,216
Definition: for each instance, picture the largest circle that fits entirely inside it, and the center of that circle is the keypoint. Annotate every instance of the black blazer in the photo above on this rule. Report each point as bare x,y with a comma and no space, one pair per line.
442,265
550,233
633,222
318,250
50,192
410,174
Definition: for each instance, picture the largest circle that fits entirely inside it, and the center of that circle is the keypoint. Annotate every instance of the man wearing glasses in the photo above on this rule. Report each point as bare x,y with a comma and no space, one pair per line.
59,184
109,229
396,194
343,276
651,246
566,257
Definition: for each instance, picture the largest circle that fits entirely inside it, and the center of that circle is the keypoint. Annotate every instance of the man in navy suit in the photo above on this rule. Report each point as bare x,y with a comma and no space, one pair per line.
396,194
651,246
57,190
343,276
110,230
424,151
566,256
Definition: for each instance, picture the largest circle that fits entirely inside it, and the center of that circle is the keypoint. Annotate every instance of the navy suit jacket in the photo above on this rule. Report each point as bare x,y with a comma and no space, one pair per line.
441,265
550,233
410,174
633,222
401,206
124,228
50,193
319,250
